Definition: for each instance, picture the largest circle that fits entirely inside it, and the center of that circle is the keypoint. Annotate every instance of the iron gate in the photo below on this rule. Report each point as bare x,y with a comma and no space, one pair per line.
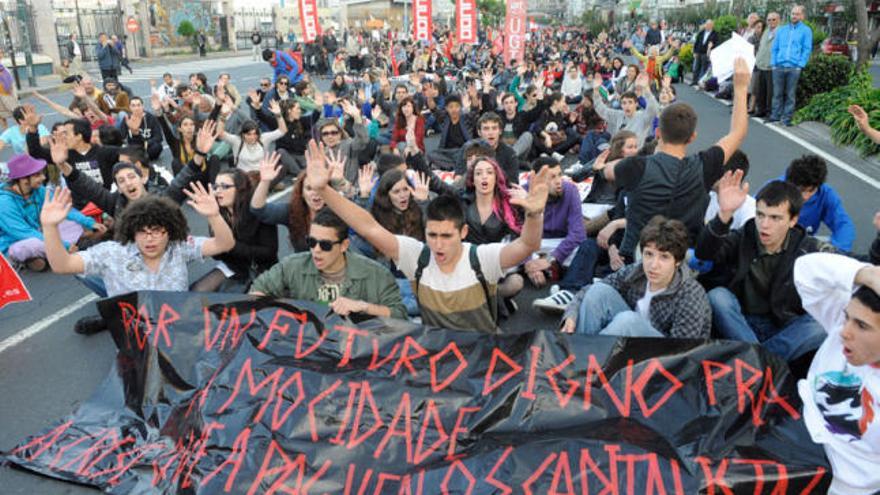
92,22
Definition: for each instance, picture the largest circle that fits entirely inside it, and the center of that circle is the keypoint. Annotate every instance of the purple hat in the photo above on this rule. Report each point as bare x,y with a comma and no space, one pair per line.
23,166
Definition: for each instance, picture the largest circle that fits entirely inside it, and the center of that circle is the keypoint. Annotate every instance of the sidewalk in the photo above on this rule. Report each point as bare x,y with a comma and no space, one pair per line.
52,84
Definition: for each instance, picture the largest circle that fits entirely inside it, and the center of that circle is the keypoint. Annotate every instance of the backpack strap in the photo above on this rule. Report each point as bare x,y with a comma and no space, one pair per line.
478,271
424,258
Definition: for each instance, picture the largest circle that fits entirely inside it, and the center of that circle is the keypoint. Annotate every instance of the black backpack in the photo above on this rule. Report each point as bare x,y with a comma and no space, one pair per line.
425,258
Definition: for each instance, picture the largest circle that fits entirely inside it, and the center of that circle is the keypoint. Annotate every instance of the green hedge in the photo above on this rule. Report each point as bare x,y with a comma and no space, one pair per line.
686,57
831,108
725,25
822,74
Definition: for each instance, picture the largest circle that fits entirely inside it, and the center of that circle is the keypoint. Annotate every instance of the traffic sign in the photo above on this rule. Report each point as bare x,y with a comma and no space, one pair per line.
132,25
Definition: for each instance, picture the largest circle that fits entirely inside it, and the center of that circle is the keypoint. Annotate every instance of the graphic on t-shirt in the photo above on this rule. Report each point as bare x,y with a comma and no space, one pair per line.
328,292
848,407
91,169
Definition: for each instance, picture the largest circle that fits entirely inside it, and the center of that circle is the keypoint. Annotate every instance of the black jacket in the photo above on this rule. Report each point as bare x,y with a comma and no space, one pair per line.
700,47
738,248
256,247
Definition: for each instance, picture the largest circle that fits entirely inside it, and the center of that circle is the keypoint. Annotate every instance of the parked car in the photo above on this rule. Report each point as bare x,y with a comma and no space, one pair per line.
835,45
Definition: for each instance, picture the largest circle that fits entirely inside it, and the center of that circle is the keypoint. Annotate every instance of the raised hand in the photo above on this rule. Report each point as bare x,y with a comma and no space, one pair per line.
78,91
270,167
275,108
375,112
56,206
201,200
859,114
366,179
206,137
667,81
134,120
336,161
316,166
643,80
732,193
155,103
741,73
255,97
539,188
487,79
600,161
420,191
31,118
58,150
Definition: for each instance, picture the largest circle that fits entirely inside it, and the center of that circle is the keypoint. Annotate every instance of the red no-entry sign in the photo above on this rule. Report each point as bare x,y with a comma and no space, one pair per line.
132,25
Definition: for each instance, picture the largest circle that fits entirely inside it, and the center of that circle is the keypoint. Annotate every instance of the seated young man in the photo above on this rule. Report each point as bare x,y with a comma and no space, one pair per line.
842,388
328,273
455,283
822,204
629,117
151,248
759,304
656,297
563,224
670,180
456,128
489,129
21,197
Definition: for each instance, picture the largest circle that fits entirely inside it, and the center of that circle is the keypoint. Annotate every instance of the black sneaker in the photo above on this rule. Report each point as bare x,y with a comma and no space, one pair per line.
90,325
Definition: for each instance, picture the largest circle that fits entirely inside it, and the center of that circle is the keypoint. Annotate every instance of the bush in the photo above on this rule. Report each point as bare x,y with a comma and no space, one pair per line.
822,74
186,29
686,57
831,108
725,25
818,34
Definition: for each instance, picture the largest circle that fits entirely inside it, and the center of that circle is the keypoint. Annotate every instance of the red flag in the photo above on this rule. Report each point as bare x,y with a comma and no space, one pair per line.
12,289
466,15
308,20
515,30
422,23
394,67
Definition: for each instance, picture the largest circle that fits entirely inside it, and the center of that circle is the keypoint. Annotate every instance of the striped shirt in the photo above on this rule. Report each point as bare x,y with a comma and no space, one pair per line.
453,300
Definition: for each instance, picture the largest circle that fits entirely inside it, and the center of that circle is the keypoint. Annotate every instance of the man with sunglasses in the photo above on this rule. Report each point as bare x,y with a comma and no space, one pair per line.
281,92
348,282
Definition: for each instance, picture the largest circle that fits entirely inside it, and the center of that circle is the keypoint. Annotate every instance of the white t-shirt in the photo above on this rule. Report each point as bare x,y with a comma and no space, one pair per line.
742,215
841,401
643,305
453,300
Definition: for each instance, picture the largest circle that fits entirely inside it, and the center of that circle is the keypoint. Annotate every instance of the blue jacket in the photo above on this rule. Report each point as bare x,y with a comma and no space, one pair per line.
825,207
108,57
20,218
792,46
285,65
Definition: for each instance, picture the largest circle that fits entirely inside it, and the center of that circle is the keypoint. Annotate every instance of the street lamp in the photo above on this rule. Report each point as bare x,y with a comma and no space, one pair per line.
26,42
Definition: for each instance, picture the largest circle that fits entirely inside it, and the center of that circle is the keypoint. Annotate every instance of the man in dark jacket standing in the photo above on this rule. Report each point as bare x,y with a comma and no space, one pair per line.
108,57
705,41
653,36
330,47
760,303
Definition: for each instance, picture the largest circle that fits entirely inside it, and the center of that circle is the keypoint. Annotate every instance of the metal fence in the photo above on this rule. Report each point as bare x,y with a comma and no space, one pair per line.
248,20
11,28
87,24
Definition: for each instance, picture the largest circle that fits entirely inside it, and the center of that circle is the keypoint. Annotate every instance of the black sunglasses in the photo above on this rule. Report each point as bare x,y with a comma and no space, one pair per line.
324,243
283,83
330,133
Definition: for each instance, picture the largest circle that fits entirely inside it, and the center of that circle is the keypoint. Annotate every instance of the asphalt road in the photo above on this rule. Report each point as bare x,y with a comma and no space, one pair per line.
46,376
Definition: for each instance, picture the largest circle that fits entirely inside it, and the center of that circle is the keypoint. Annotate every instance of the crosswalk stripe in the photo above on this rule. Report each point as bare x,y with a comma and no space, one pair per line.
156,72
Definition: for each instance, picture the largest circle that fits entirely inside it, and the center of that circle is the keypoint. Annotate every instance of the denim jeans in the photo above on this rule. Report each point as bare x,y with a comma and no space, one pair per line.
785,81
583,265
408,296
94,284
799,336
604,312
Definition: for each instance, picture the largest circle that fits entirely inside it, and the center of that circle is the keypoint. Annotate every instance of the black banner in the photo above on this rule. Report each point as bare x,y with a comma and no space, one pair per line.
220,393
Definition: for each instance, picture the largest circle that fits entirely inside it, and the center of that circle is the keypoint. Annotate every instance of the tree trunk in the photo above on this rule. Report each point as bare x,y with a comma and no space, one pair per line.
866,40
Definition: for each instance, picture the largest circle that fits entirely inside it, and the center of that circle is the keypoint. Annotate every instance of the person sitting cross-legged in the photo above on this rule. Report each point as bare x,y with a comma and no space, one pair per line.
657,297
329,273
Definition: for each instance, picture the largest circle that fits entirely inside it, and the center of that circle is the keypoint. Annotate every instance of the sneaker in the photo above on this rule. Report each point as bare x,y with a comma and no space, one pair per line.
90,325
510,305
558,157
770,121
554,289
574,169
555,303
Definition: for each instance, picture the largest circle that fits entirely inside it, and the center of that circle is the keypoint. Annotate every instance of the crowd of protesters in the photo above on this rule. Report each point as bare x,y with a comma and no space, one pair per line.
570,170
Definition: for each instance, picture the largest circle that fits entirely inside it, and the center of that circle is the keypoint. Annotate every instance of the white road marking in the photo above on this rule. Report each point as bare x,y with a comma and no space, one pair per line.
53,318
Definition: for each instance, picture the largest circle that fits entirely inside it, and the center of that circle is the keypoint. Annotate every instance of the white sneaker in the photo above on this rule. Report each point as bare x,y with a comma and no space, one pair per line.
574,169
558,157
554,289
555,303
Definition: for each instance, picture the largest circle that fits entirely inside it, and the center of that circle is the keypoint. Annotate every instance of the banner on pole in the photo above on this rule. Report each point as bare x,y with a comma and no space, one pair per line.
422,21
466,17
12,289
308,20
216,393
515,31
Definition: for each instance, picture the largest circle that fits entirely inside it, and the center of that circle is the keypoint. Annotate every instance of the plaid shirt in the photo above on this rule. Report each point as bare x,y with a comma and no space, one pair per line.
680,311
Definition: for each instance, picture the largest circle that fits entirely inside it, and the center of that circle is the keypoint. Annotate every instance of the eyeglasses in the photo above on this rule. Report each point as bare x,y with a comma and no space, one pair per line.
265,85
222,187
283,83
152,233
325,244
330,133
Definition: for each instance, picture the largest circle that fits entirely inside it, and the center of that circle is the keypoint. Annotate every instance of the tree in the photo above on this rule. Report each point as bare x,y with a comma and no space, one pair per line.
867,40
492,12
186,29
